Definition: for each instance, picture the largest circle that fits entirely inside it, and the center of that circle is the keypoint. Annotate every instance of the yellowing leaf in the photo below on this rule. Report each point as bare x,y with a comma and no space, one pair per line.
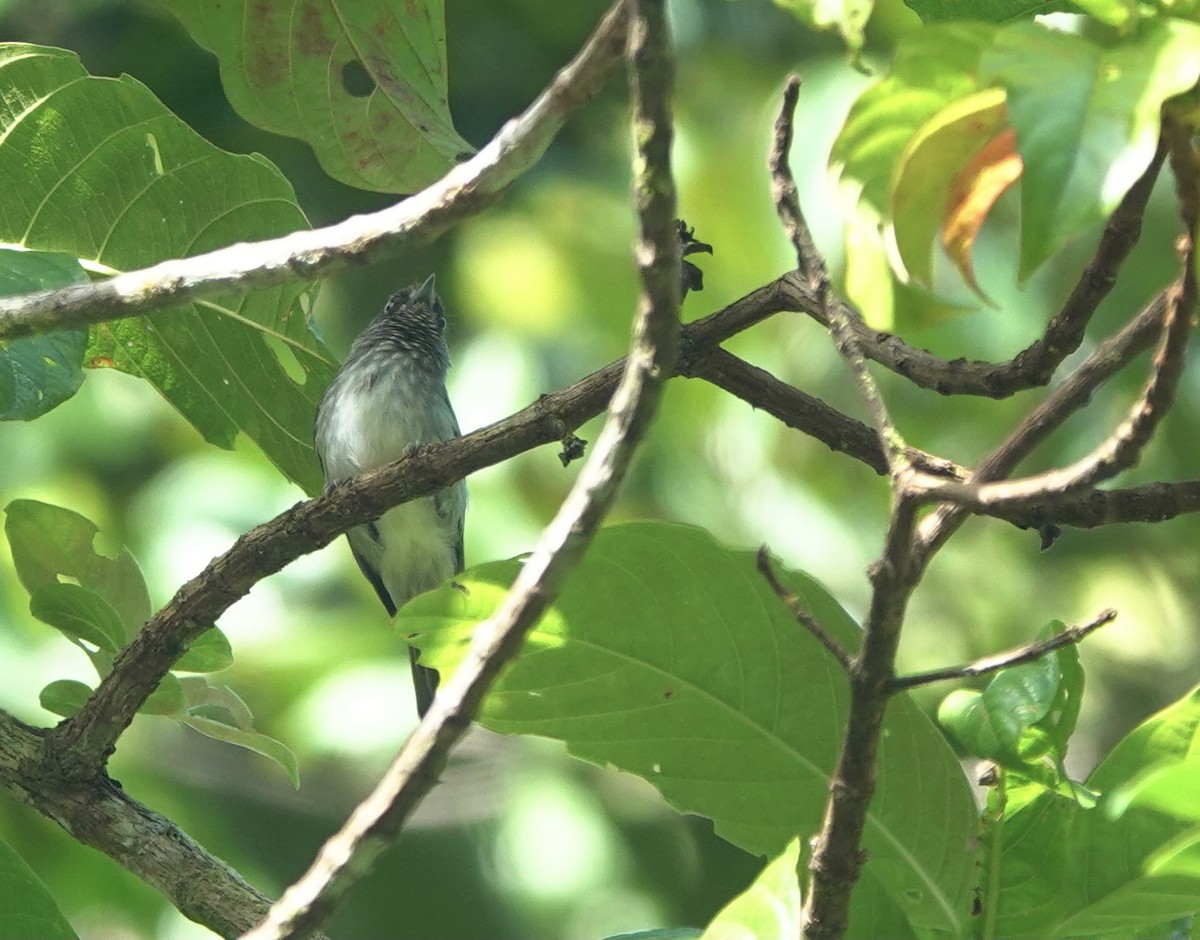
972,195
939,151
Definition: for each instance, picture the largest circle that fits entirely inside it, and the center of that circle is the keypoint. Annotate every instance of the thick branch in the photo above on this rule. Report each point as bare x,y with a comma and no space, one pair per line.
837,850
464,191
98,813
375,823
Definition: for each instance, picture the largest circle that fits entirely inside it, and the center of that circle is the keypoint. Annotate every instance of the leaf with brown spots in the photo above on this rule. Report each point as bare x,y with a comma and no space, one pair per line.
363,83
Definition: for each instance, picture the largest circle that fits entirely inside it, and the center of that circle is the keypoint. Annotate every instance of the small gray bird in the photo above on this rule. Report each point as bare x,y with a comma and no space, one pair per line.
388,397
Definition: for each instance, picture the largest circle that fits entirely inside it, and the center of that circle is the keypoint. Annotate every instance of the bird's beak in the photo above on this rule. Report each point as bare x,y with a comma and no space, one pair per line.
426,291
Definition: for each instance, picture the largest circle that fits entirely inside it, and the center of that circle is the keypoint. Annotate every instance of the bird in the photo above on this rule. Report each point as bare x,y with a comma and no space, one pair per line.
389,397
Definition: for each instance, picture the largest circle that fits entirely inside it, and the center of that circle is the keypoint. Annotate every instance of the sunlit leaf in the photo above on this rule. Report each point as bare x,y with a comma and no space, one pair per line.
993,723
847,17
769,909
1086,117
364,83
1070,871
669,657
933,67
991,11
38,373
946,144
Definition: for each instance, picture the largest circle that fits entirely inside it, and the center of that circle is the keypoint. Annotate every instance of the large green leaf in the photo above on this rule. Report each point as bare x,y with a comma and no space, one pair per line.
26,908
362,81
38,373
1086,117
98,168
668,656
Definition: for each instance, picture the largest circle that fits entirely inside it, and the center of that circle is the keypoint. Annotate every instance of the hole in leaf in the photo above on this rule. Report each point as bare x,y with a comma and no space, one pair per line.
357,80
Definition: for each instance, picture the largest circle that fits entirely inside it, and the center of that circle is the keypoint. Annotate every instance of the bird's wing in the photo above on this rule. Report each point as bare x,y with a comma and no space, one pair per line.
369,571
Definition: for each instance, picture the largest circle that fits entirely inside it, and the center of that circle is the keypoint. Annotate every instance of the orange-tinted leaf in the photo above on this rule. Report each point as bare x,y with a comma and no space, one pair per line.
945,144
972,195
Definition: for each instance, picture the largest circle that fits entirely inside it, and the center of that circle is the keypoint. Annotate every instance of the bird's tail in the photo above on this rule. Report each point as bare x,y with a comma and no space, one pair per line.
425,682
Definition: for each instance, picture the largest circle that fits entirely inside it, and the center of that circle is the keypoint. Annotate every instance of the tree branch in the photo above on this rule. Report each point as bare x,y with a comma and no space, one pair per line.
1072,394
1119,451
99,814
1036,364
349,855
464,191
1007,659
844,321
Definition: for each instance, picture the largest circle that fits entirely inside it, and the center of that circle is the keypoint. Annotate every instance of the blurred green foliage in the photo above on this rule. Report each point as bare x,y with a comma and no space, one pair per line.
521,840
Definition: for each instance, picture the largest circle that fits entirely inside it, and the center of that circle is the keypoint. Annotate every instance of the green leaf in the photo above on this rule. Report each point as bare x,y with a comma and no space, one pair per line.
989,11
847,17
49,541
27,909
1173,789
993,723
769,909
932,68
217,702
251,740
1067,870
64,697
363,83
1087,120
209,652
38,373
97,167
669,657
665,933
79,614
167,700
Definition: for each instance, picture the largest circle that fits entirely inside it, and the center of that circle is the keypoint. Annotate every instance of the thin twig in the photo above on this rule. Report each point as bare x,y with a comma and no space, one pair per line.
464,191
374,825
1072,394
796,607
1118,452
845,323
998,661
